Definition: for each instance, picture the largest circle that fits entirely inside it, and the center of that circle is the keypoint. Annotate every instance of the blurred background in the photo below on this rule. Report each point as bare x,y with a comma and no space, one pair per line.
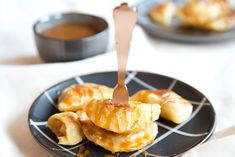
17,18
17,44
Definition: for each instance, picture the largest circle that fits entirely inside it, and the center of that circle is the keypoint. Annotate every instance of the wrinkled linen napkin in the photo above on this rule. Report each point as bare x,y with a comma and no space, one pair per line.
21,84
221,145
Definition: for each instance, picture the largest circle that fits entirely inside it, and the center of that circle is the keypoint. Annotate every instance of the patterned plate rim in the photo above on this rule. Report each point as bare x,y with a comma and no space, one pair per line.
210,133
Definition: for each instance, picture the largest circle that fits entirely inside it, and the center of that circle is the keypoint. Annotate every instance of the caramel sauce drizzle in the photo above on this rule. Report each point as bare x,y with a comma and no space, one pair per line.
124,19
82,152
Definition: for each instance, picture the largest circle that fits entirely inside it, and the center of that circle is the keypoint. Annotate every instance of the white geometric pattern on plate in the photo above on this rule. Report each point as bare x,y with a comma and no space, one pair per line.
131,77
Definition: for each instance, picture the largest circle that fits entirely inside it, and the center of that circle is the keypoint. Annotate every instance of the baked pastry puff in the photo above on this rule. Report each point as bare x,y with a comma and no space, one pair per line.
173,107
115,142
163,13
198,13
66,127
76,96
221,24
129,118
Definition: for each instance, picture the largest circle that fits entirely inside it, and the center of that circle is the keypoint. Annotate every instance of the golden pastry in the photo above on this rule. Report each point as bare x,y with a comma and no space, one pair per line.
197,13
163,13
66,127
222,24
212,15
122,119
173,107
76,96
115,142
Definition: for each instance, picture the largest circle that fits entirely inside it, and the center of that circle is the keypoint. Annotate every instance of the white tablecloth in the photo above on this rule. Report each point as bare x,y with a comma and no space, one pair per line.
208,67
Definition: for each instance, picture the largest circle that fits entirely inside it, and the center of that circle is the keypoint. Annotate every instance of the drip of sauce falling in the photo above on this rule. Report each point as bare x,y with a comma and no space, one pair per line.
124,19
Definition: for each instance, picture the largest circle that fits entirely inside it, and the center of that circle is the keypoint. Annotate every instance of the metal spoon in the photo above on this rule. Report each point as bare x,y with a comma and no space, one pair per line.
124,19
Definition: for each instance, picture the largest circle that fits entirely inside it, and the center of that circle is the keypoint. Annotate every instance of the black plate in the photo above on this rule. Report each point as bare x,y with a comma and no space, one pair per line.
175,33
172,139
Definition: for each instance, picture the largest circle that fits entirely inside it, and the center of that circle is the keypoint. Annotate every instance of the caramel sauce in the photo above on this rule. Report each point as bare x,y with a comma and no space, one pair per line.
70,31
126,144
98,115
81,91
107,155
108,119
68,100
89,92
82,152
160,92
124,19
145,154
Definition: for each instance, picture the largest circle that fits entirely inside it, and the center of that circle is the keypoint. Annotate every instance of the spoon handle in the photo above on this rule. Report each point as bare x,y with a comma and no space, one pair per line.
124,19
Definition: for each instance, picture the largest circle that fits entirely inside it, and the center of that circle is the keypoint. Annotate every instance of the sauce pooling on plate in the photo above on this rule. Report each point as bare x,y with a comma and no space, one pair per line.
70,31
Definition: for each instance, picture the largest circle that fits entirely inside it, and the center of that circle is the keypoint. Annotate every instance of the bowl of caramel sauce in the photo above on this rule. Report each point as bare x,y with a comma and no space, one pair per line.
70,36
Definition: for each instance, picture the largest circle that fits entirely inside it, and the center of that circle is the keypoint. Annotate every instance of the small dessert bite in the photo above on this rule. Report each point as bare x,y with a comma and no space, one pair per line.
122,118
76,96
163,13
173,107
199,13
115,142
222,24
66,127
